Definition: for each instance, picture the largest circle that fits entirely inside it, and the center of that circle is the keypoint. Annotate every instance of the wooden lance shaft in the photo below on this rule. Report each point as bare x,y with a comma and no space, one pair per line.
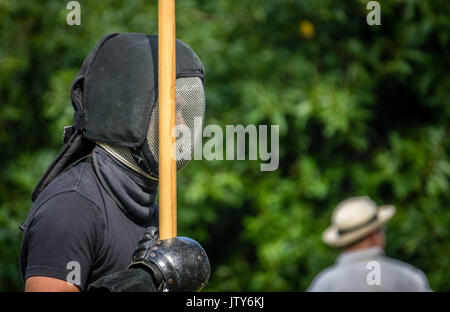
167,102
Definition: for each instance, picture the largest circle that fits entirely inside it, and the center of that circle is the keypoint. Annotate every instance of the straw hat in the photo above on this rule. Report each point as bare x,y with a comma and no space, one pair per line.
355,218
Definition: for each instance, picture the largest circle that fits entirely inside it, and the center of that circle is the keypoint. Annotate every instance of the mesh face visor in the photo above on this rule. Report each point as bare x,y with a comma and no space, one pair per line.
190,113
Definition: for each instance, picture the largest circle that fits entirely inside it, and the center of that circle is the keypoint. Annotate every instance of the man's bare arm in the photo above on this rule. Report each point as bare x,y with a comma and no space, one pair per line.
48,284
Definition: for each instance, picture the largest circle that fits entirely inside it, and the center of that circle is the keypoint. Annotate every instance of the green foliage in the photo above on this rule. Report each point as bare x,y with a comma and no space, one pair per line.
362,110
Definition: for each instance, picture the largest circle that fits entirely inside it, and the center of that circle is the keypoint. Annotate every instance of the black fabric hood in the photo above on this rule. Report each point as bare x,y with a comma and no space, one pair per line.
117,86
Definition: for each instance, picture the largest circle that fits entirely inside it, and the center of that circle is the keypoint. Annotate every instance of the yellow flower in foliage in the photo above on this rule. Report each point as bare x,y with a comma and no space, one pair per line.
306,29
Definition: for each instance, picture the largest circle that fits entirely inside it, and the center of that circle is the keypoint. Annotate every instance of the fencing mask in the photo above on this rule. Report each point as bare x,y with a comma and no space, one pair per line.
115,97
120,100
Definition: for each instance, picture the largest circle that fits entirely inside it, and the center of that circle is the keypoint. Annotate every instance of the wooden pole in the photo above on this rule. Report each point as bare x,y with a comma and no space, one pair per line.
167,101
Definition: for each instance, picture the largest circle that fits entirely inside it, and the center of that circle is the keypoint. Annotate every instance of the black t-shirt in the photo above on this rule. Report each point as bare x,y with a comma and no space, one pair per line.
76,232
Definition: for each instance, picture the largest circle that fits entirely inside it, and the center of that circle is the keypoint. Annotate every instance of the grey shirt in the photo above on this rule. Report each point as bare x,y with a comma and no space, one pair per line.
369,270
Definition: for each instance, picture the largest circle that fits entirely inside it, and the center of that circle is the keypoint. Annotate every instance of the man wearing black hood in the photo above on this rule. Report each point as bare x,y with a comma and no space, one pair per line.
94,221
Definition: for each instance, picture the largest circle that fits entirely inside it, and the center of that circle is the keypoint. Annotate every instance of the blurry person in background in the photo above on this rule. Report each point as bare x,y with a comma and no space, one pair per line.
358,230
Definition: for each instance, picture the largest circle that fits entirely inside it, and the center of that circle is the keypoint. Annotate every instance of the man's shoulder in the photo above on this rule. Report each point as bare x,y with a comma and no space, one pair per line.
405,270
324,279
79,179
76,187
